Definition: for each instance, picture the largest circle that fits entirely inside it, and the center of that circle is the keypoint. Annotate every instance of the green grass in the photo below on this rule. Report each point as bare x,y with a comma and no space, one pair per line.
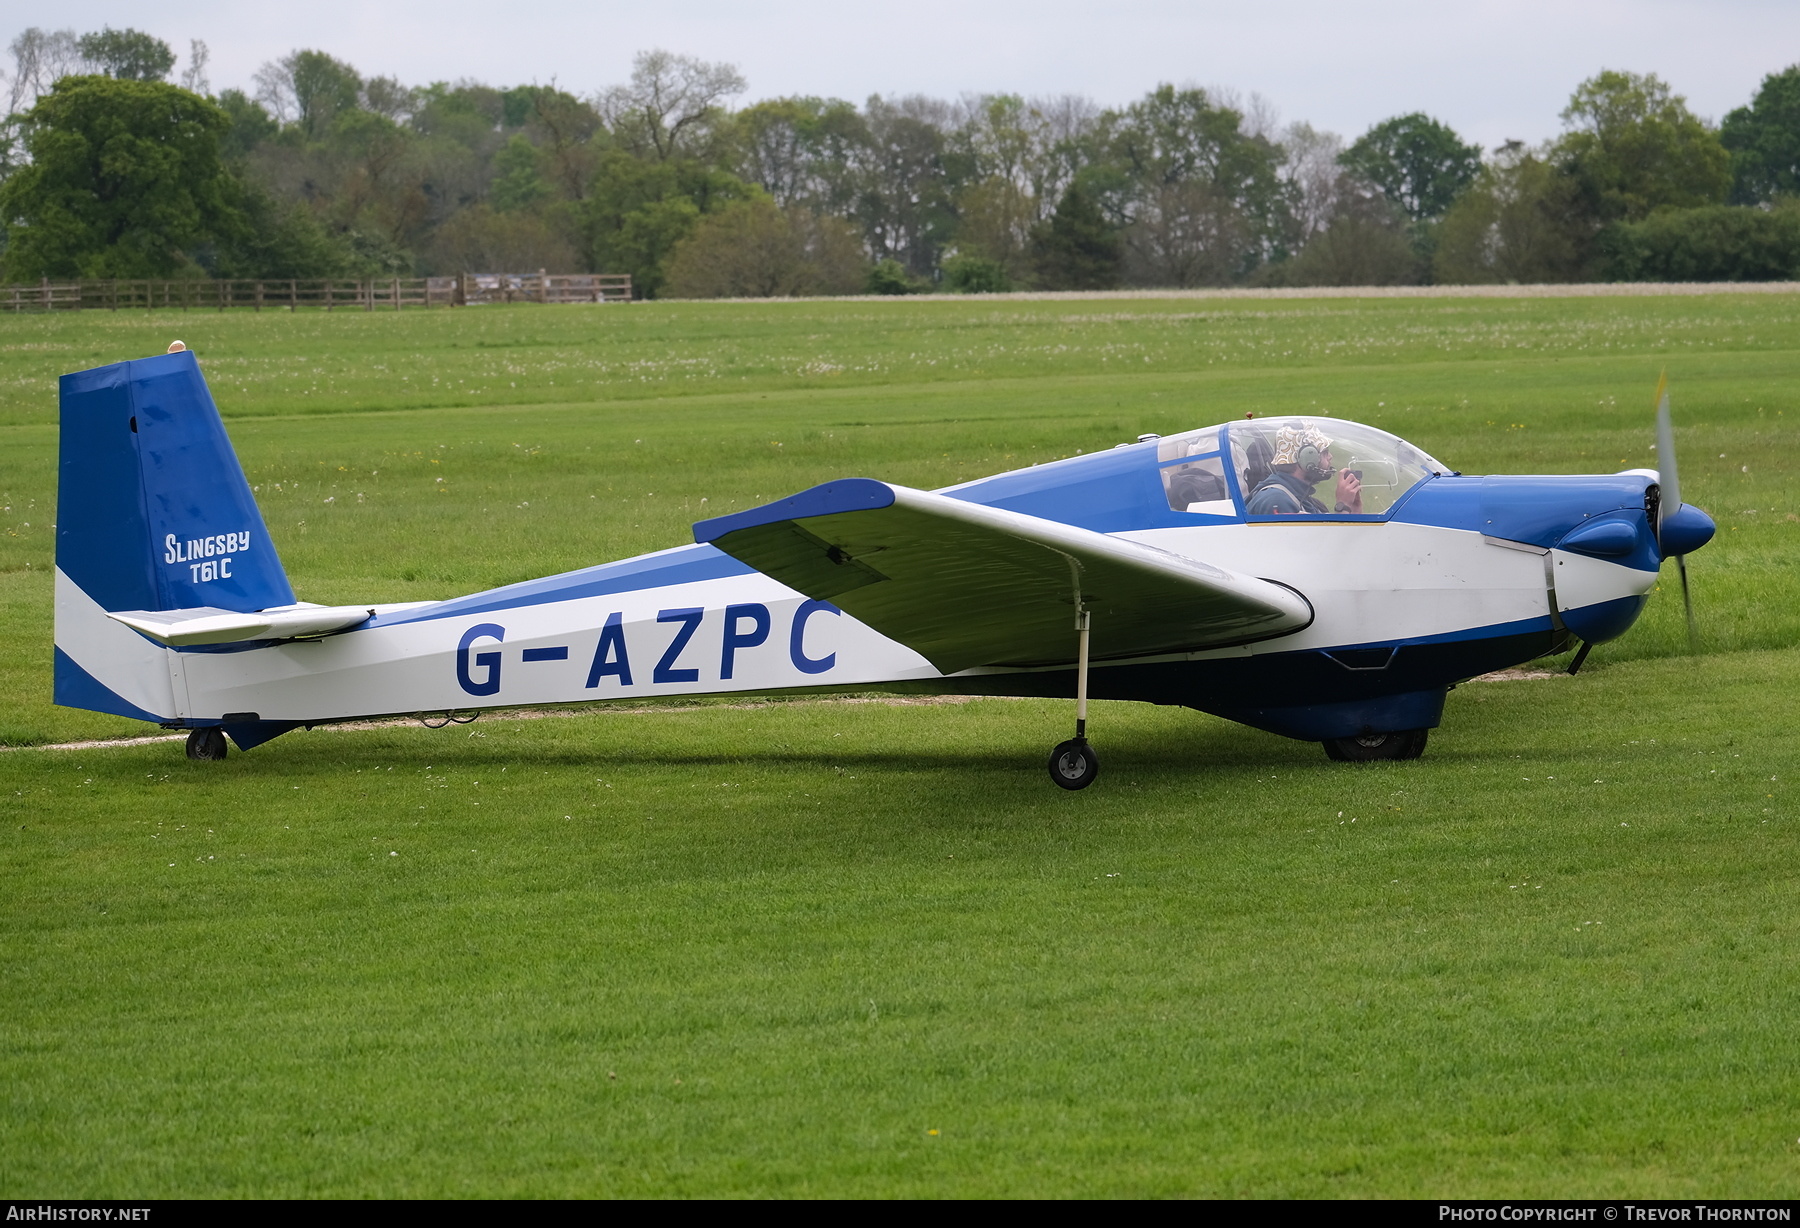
769,952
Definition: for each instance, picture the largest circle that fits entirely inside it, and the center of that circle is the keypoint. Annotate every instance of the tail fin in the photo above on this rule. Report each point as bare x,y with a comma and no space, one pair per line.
153,513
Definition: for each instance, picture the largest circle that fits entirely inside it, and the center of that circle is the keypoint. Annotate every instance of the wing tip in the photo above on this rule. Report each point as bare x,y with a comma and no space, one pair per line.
843,495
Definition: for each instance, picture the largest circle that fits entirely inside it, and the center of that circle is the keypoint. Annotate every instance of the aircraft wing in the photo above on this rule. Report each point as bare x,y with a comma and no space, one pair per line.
963,584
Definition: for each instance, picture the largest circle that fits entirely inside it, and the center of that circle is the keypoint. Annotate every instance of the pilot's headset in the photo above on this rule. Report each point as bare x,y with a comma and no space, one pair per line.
1311,454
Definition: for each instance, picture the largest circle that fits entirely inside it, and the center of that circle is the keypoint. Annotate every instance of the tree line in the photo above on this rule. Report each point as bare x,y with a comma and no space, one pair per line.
109,169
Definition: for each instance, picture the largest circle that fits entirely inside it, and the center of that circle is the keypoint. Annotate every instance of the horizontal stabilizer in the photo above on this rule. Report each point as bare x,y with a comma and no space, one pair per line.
964,584
210,625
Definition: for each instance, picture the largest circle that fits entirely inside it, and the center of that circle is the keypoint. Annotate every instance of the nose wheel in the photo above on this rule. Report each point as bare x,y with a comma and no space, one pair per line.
1074,765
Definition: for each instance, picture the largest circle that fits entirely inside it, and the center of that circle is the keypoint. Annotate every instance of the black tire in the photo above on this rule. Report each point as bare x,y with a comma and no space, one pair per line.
1074,765
206,743
1374,747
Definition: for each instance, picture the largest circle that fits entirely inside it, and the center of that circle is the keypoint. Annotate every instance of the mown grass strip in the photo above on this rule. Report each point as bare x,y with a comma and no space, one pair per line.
866,949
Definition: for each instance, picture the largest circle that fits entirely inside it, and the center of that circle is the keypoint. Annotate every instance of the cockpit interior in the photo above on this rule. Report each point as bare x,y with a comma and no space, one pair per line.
1211,471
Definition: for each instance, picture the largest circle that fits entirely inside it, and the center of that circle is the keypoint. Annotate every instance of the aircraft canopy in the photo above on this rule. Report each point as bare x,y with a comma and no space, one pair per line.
1388,464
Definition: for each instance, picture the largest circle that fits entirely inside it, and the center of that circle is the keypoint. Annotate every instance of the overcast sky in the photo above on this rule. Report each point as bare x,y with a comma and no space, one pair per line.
1492,69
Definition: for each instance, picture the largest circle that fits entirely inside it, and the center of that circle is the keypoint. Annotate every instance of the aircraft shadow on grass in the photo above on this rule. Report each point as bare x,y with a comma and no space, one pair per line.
1308,576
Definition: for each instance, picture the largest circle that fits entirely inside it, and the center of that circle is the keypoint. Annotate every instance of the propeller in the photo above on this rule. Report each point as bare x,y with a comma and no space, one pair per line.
1670,481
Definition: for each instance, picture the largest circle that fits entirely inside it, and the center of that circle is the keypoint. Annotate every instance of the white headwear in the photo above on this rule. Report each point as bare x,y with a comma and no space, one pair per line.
1290,439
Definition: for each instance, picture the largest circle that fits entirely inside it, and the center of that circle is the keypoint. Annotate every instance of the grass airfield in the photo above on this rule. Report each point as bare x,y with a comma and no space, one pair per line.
829,948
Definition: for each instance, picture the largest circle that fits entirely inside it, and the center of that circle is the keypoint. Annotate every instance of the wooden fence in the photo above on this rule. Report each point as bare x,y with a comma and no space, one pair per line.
542,287
330,294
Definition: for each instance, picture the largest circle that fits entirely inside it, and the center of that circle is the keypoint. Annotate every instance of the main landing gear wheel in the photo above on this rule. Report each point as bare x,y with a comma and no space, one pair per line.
1073,765
206,743
1372,747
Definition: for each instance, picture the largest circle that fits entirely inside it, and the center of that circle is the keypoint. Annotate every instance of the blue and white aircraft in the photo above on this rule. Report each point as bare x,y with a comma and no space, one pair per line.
1308,576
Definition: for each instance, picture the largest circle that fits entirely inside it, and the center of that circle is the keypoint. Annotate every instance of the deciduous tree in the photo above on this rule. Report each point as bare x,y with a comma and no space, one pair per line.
40,59
640,210
480,239
903,194
566,131
671,105
125,179
129,55
518,180
193,77
994,222
1634,147
1519,222
802,151
1309,165
755,249
309,88
1197,200
1364,243
1419,164
1764,140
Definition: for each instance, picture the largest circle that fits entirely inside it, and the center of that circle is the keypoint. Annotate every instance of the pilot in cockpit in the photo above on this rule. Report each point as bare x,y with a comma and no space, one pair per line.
1301,461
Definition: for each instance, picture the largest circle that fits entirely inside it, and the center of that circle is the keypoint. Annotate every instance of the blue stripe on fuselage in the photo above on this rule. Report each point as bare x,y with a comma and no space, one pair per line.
74,687
1492,631
682,565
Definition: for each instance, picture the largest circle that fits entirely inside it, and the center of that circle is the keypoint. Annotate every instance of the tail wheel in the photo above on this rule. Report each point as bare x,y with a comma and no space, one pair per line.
1372,747
206,743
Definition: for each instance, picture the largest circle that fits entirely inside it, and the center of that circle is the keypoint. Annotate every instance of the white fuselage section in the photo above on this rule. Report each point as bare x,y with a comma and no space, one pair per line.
1368,583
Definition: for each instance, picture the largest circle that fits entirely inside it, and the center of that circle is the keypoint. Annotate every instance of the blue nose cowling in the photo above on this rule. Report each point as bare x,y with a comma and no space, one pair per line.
1604,539
1686,531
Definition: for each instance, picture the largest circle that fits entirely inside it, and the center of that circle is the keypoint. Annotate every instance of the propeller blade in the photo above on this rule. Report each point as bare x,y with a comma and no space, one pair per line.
1687,603
1666,475
1669,479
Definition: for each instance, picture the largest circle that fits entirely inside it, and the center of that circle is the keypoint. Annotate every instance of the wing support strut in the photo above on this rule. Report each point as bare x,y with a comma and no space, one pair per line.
1081,672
